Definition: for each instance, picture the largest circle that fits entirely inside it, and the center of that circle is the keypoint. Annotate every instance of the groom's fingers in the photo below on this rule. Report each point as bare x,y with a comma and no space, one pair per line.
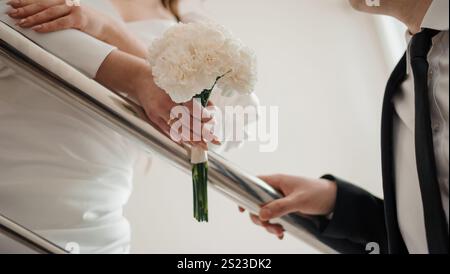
278,208
275,181
275,229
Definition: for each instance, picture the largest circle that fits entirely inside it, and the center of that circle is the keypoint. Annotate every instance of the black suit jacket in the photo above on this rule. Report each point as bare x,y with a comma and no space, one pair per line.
361,218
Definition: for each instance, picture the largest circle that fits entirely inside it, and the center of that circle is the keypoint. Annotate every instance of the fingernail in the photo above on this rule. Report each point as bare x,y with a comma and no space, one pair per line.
22,21
38,27
13,2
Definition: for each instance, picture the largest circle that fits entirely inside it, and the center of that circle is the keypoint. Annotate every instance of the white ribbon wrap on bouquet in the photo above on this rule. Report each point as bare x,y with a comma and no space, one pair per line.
198,155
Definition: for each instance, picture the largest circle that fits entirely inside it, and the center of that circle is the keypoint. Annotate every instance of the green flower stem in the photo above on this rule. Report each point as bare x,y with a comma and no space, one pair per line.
200,180
200,177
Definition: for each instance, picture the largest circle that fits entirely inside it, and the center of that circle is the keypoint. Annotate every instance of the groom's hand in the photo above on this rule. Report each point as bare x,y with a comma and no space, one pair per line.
302,195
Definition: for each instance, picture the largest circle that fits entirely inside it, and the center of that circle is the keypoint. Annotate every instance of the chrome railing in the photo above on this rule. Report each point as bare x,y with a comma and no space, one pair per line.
128,119
26,239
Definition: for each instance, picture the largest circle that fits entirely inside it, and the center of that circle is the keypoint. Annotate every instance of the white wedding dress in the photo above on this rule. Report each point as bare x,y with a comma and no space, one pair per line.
64,175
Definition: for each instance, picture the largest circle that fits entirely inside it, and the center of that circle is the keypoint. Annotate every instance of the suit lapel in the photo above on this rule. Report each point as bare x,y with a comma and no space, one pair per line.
395,240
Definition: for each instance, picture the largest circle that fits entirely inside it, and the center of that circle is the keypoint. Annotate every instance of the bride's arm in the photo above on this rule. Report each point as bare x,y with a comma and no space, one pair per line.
45,16
108,65
132,75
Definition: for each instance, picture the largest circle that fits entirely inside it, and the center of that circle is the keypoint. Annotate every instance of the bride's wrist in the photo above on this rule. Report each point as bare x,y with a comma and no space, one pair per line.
108,31
144,84
95,24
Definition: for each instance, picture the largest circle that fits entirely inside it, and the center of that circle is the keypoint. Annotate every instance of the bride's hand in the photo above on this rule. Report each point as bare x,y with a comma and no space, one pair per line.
45,16
132,75
158,106
53,15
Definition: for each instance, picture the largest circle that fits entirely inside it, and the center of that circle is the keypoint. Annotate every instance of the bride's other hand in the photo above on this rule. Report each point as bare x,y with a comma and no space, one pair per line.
54,15
45,16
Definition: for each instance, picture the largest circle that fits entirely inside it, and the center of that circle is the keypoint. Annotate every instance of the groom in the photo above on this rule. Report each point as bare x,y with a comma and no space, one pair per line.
413,217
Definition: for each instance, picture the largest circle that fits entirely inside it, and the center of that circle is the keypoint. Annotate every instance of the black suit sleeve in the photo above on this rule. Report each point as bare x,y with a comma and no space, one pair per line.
358,217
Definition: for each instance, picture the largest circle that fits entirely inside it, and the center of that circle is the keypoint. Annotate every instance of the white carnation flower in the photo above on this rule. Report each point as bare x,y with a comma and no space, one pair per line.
242,75
189,58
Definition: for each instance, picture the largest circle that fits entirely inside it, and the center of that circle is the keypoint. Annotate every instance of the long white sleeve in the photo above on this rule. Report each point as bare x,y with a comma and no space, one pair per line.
78,49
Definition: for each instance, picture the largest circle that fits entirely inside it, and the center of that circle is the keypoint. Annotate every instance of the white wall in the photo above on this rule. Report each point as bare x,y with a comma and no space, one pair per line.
324,66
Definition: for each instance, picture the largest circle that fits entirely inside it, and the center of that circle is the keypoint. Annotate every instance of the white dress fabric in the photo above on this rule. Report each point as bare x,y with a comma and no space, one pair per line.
63,174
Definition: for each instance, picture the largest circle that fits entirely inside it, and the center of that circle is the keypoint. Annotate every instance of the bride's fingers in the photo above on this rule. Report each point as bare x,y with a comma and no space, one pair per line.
22,11
55,25
21,3
191,131
205,130
163,127
192,112
209,132
185,133
196,140
198,112
45,16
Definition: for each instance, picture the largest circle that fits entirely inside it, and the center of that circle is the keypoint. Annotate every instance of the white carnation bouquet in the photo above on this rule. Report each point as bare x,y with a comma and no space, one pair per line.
188,62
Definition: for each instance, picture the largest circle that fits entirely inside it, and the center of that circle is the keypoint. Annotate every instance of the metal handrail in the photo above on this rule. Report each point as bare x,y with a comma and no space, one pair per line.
27,238
129,120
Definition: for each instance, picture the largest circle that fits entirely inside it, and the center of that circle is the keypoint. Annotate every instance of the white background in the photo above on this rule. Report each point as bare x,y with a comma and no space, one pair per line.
325,66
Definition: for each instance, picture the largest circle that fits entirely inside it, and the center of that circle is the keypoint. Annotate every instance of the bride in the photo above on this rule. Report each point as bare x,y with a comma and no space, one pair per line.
75,174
